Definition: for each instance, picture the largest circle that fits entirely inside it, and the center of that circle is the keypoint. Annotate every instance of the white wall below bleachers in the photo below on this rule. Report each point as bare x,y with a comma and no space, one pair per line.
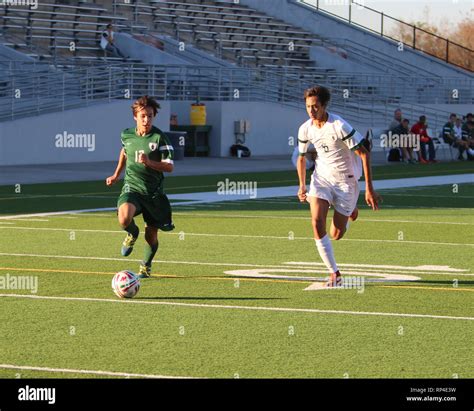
271,125
32,140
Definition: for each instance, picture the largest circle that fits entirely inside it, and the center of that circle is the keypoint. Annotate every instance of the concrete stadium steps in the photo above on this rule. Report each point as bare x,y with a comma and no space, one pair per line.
234,32
64,30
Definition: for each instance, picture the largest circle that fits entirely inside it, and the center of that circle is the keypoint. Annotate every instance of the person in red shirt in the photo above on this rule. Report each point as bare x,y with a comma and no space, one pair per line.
425,140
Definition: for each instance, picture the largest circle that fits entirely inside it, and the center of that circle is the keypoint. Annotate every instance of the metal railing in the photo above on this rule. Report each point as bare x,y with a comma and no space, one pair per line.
35,88
410,35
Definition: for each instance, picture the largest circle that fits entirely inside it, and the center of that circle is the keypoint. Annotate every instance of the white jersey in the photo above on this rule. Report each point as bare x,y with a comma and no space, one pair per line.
335,143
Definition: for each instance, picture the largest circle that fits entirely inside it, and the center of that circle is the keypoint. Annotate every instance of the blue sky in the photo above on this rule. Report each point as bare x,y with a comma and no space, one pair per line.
452,11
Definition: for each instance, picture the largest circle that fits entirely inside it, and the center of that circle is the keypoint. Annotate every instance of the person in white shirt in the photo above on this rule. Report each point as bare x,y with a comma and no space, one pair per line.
457,128
107,42
341,157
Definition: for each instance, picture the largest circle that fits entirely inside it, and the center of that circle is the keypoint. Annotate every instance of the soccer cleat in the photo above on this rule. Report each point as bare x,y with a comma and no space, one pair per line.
354,214
127,245
335,280
145,271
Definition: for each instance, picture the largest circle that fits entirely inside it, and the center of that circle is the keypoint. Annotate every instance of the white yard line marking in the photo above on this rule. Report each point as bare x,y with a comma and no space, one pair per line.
210,264
78,230
389,267
78,257
426,195
90,372
268,273
269,237
286,217
52,213
236,307
29,219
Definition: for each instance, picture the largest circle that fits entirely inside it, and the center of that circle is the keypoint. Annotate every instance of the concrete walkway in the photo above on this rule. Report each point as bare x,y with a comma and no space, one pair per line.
189,166
189,199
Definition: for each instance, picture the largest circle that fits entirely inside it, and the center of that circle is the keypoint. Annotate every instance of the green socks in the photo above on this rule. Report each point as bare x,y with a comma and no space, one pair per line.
150,251
132,229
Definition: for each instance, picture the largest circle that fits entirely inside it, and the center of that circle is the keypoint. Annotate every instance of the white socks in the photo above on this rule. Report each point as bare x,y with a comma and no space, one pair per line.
327,254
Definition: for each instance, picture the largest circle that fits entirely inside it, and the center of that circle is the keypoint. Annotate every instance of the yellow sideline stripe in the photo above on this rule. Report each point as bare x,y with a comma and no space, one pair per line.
158,276
232,279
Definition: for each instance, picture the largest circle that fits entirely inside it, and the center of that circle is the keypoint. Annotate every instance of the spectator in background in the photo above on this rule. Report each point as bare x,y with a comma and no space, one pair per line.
397,120
107,42
465,126
452,135
402,130
467,137
457,128
419,129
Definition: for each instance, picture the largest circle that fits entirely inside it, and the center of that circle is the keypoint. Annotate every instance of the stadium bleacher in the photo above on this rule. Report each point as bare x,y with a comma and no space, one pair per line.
62,30
271,50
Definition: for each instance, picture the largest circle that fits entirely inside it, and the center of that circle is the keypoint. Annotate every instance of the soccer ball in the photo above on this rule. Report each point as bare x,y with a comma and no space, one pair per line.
125,284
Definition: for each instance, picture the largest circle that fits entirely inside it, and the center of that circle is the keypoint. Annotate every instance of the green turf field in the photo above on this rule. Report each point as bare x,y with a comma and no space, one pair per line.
228,295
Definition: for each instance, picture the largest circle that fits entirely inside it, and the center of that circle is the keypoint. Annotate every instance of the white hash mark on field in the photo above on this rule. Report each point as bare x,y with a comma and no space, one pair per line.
89,372
269,237
236,307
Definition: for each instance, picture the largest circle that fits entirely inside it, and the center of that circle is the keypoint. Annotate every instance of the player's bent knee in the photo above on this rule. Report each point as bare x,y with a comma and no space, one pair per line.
337,234
124,221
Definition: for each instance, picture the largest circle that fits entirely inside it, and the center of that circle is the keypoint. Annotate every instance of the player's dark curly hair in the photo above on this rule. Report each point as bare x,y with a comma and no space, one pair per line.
144,102
322,93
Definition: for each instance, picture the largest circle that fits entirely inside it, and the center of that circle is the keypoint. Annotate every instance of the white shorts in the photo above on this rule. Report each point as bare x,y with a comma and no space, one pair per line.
341,195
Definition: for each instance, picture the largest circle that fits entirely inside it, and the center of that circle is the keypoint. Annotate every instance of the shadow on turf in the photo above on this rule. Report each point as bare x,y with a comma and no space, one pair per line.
210,298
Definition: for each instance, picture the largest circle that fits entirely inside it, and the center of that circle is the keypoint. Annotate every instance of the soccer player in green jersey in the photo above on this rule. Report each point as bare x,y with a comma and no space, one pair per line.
146,154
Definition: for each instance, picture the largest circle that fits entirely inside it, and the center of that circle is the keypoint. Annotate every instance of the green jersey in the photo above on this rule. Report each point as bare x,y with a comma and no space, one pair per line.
156,146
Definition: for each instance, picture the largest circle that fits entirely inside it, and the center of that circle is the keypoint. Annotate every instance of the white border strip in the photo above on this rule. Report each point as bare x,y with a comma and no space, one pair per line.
237,307
90,372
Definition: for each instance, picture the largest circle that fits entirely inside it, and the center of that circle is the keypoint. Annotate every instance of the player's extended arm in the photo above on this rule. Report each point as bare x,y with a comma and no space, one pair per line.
371,197
301,168
155,165
120,166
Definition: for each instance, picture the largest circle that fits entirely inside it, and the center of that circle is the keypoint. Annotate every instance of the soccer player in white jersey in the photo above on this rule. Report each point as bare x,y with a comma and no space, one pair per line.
340,159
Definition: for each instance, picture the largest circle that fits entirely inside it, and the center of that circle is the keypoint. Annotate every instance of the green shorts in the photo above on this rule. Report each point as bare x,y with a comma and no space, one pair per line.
156,209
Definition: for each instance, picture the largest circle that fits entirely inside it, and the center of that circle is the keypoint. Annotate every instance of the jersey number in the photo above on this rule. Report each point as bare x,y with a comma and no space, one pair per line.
326,148
137,154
